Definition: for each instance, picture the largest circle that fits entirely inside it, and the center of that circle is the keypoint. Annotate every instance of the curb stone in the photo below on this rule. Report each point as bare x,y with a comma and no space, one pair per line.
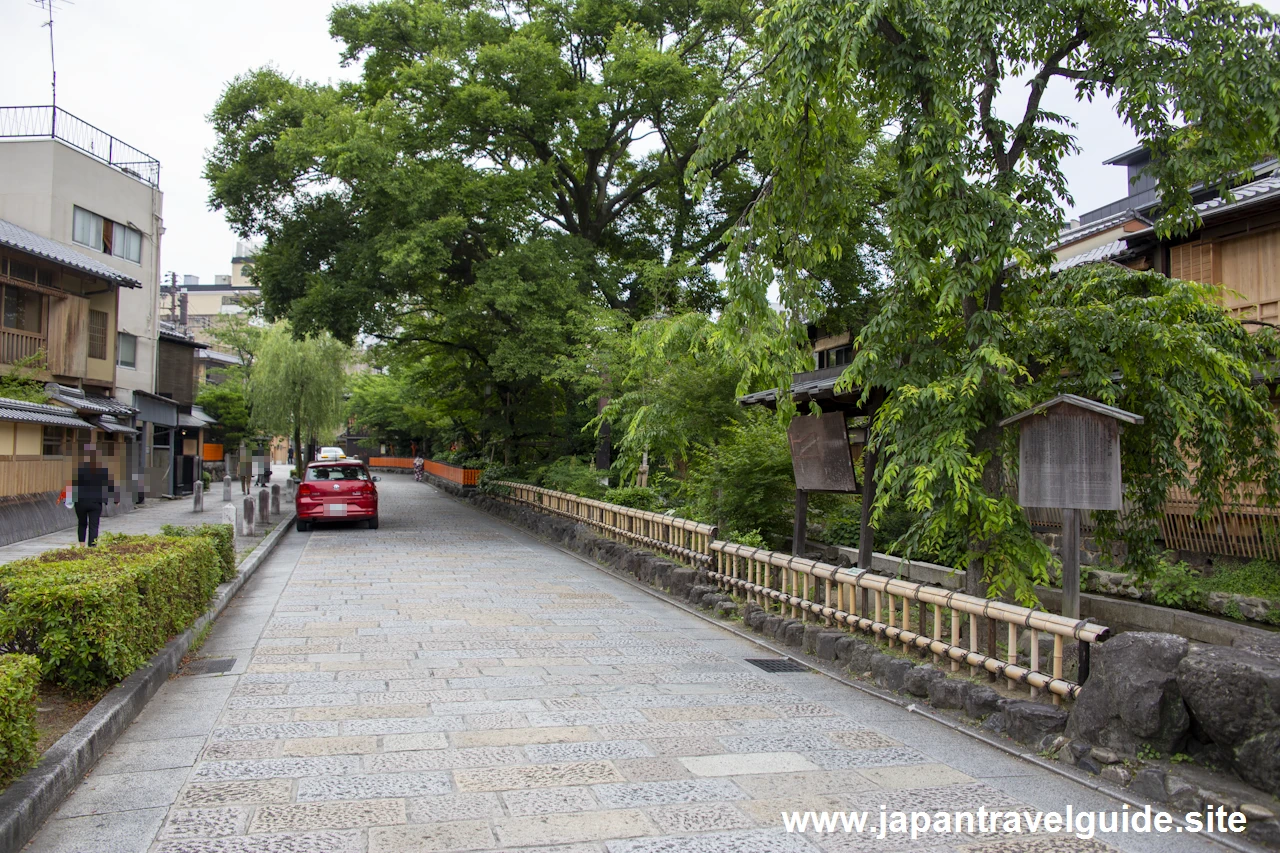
31,799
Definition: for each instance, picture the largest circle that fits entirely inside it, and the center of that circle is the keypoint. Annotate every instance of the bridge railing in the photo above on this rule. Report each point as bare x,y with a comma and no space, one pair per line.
688,541
946,623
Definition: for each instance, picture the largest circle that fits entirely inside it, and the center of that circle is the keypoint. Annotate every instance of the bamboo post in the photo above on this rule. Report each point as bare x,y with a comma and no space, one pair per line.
1035,657
1013,651
955,637
937,629
973,641
906,622
1057,663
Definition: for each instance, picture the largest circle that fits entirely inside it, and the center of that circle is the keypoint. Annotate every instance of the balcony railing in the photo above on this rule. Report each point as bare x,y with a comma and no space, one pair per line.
15,345
56,123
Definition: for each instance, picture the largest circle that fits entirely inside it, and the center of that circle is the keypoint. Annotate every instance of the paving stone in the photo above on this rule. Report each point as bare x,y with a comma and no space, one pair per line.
776,743
313,746
713,712
765,785
205,823
536,776
372,786
229,793
843,759
435,838
548,801
135,756
651,769
915,776
447,807
231,749
445,759
268,768
588,751
116,792
684,746
344,815
588,826
637,794
276,730
286,842
862,739
520,737
407,725
748,841
742,764
118,832
698,817
416,741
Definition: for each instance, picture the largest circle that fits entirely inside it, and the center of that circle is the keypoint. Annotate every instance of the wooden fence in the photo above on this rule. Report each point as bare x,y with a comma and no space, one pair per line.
848,598
1241,529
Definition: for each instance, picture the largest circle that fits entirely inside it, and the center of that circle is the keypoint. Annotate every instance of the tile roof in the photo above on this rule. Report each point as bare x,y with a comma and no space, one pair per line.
1255,192
42,247
91,403
1082,232
19,411
1105,252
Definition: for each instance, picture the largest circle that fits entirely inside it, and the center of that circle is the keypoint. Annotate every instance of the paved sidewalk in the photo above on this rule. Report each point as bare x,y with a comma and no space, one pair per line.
447,683
150,517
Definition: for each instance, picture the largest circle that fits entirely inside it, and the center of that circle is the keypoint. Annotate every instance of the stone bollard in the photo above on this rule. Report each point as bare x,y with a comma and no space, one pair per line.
197,497
246,520
275,498
226,490
264,507
293,487
230,516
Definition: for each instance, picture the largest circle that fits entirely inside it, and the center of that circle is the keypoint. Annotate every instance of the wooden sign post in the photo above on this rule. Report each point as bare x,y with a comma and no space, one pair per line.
822,461
1069,458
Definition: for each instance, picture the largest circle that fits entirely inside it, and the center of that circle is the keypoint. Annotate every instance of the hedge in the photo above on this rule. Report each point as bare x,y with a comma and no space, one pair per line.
94,615
19,678
224,539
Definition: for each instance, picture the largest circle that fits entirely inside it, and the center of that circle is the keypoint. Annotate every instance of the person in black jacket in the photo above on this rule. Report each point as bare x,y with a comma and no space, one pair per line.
92,487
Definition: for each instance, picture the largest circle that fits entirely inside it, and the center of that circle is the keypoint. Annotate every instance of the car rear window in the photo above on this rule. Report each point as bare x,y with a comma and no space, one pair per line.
336,472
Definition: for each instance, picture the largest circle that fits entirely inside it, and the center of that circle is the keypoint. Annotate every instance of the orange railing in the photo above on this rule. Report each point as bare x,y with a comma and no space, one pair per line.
453,473
390,462
443,470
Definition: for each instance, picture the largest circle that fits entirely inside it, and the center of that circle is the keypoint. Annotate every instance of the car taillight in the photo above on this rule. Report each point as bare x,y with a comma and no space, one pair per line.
304,490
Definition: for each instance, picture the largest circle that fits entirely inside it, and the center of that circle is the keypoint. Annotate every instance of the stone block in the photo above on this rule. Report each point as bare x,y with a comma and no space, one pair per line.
1029,722
226,490
247,517
679,582
275,498
1149,782
825,645
918,678
981,701
772,622
754,619
264,507
1117,774
1133,695
791,633
948,692
1234,696
855,654
890,672
197,496
726,609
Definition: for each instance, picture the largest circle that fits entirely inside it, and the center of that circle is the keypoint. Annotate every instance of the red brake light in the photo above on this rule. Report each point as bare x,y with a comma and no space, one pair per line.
304,490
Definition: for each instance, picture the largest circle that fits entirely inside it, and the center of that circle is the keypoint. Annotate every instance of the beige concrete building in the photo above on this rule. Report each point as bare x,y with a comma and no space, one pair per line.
90,192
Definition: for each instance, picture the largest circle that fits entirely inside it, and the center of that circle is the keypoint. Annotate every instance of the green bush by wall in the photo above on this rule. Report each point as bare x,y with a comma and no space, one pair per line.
94,615
19,678
224,539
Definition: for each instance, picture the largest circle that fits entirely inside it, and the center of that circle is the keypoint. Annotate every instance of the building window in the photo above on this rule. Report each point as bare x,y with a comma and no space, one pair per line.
86,229
23,310
90,229
53,440
126,349
835,357
97,334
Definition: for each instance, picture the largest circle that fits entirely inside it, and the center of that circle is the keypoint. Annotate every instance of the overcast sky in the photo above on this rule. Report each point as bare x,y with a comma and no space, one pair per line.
148,72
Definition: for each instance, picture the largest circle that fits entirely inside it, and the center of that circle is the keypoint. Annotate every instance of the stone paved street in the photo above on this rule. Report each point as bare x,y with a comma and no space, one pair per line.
448,683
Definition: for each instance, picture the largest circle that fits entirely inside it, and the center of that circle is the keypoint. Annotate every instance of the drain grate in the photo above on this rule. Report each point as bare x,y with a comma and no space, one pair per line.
777,665
207,666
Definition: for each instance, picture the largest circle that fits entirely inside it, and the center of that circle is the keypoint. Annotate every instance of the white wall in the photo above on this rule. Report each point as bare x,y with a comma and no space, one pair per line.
42,180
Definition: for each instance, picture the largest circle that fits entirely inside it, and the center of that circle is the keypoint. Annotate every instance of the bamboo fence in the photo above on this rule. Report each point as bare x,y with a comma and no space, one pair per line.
847,598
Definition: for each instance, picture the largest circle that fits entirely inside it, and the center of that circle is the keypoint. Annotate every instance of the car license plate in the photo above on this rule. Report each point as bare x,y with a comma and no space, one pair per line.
337,509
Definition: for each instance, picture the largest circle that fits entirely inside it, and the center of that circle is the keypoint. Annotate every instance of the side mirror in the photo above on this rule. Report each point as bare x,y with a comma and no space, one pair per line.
376,478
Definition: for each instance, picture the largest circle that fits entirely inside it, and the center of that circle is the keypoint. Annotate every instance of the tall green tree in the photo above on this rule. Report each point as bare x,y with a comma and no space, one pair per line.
972,204
491,165
297,385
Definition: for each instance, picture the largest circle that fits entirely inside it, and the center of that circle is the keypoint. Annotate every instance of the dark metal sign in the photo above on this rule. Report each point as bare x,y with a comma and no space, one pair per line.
820,453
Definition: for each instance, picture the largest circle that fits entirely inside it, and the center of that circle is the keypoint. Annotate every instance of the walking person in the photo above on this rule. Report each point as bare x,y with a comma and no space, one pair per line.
246,468
90,491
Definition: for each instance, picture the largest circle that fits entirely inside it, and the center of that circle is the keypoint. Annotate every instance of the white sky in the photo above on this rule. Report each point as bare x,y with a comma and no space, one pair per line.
149,71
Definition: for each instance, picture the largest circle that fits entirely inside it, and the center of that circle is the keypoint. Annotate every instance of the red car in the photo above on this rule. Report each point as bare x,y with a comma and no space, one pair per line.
338,490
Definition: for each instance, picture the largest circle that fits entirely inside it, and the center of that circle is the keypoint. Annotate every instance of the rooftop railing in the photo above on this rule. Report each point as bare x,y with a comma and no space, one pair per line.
49,122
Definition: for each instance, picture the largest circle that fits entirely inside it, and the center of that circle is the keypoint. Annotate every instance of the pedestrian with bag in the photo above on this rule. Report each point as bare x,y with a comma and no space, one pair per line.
90,491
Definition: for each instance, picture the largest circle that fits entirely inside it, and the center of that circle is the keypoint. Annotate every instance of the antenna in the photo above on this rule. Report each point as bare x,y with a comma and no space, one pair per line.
50,6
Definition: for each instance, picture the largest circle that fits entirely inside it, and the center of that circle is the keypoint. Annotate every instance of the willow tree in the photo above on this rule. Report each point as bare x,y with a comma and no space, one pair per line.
948,98
297,385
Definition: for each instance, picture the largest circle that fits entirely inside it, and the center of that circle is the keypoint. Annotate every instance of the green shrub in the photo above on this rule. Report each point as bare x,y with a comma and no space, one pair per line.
636,497
223,537
745,482
94,615
19,678
571,474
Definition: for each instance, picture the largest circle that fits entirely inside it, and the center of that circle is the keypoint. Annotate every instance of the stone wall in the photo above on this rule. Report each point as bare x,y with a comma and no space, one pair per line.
1150,697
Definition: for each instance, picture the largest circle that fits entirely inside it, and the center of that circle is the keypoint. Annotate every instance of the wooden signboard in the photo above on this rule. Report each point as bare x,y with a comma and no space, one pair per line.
1069,458
820,453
